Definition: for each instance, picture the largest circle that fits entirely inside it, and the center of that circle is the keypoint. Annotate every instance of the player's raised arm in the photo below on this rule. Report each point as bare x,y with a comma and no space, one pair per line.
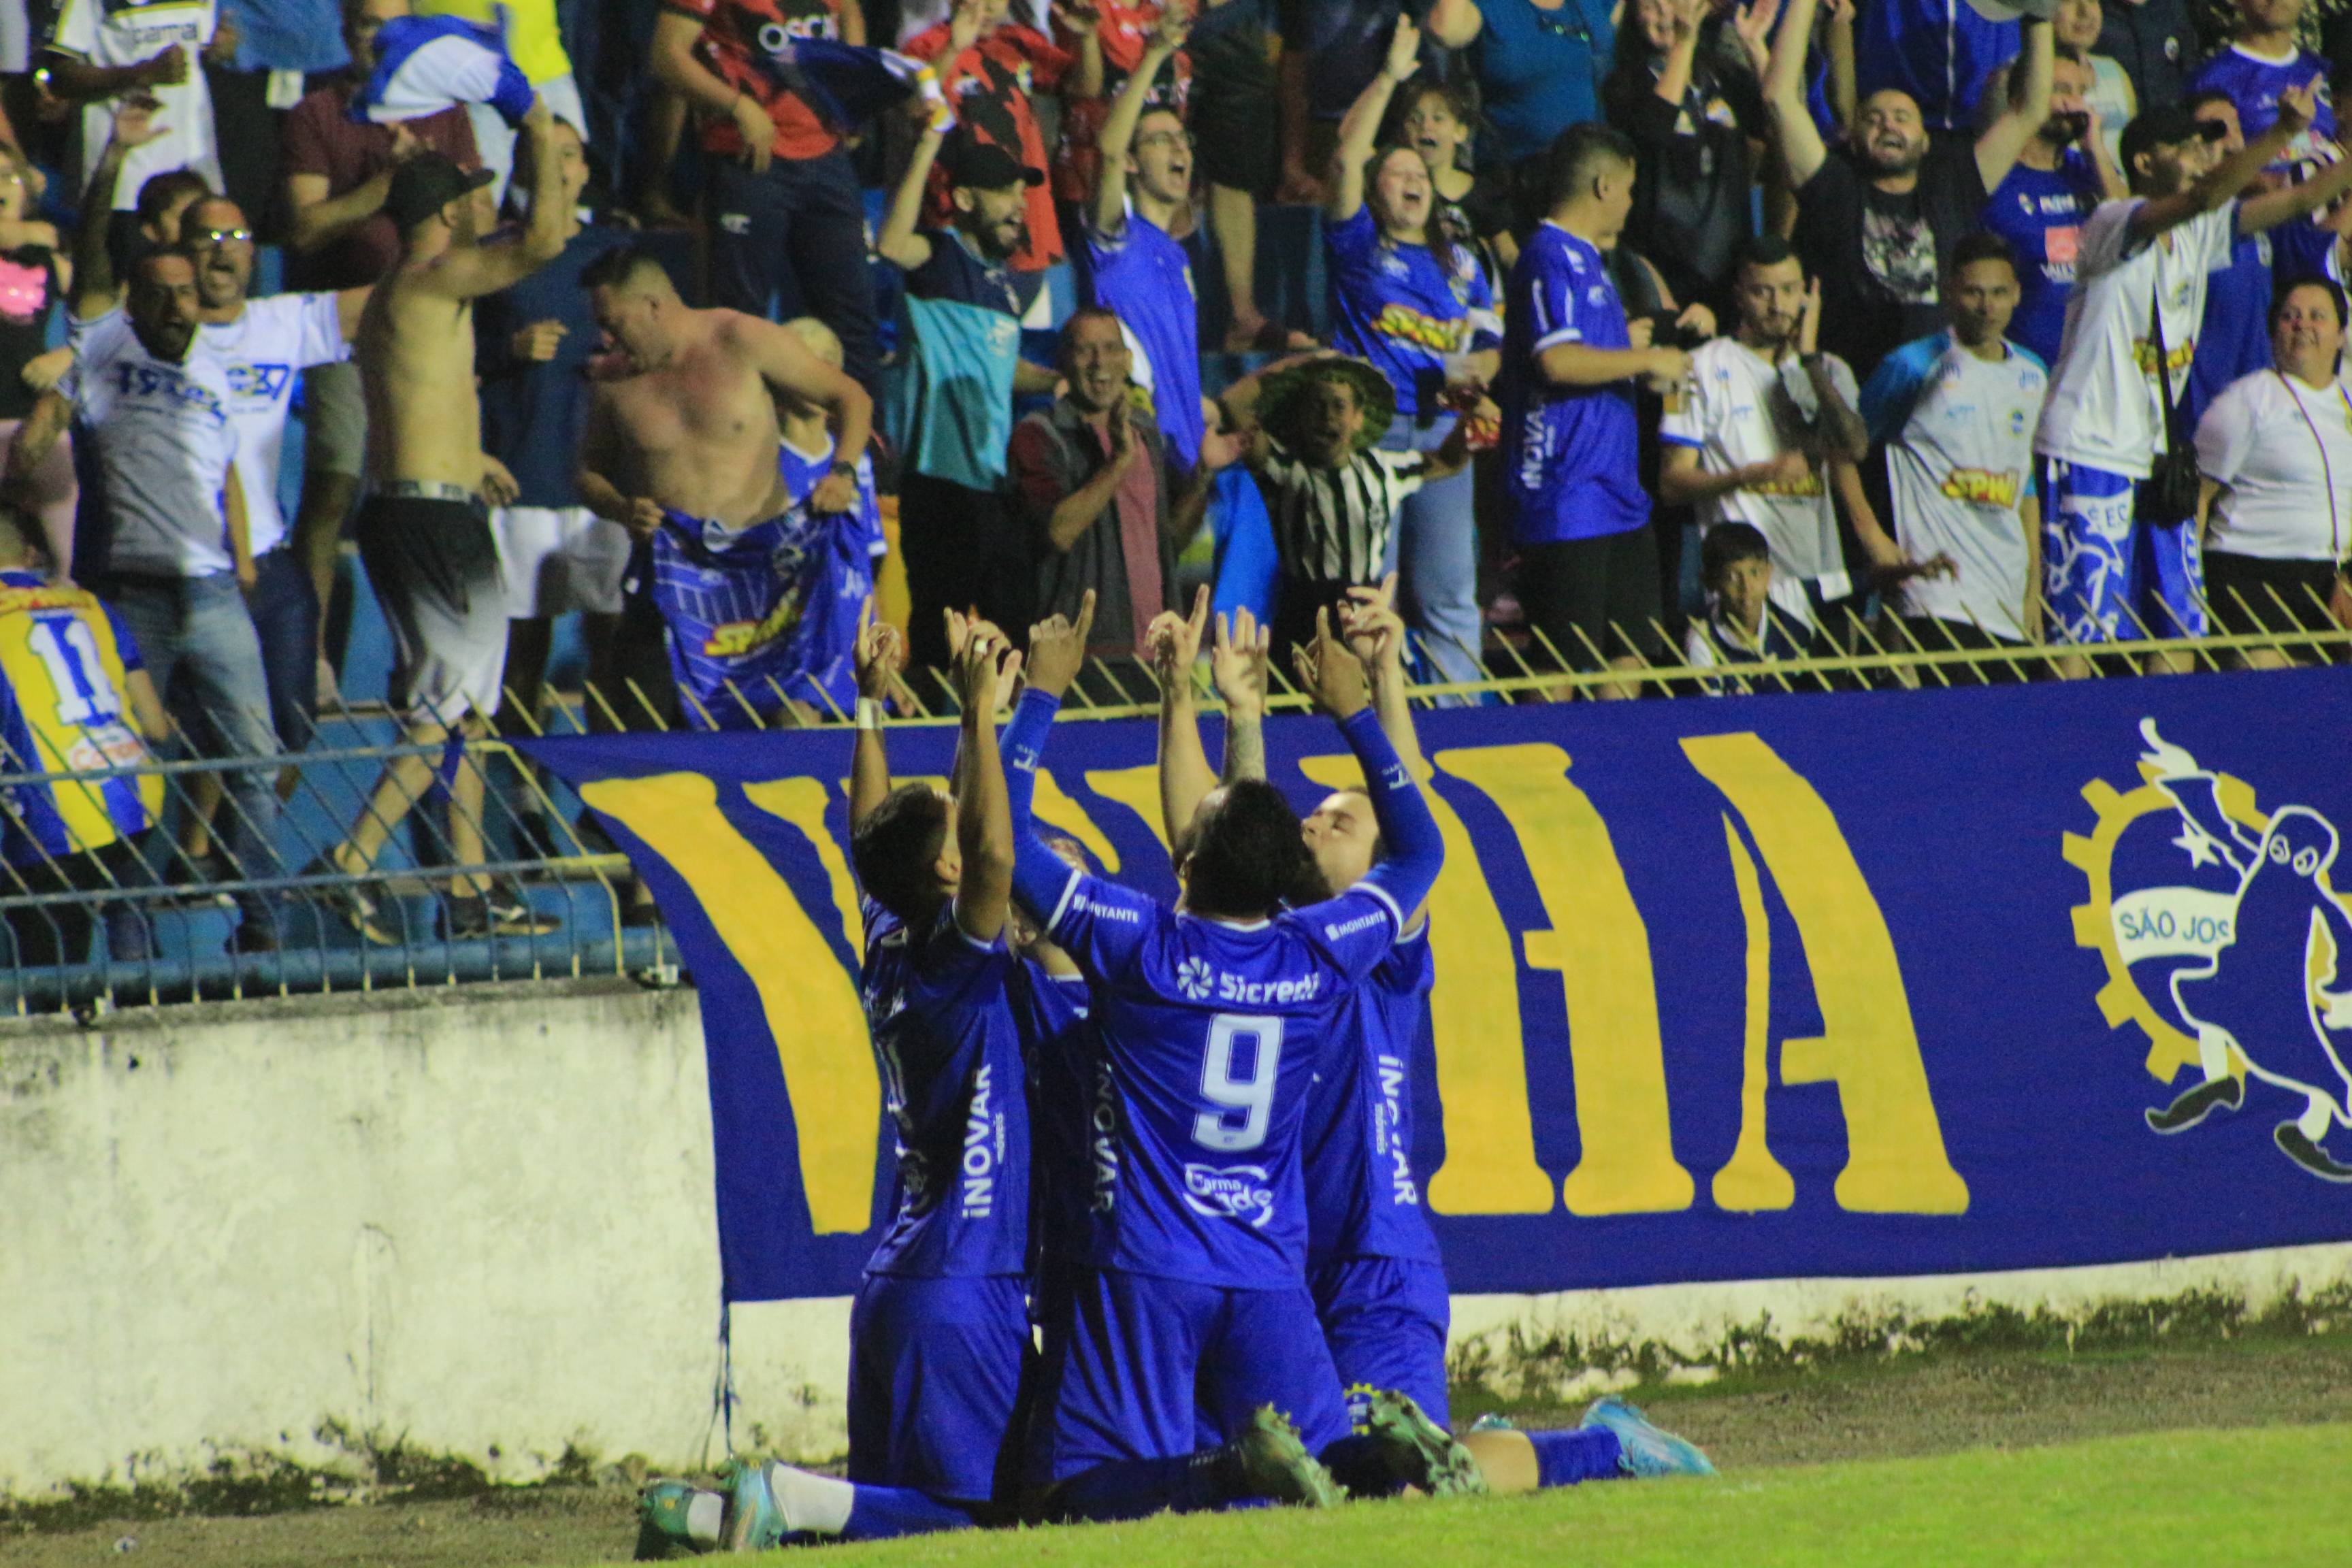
881,652
983,813
1058,650
1334,677
1237,660
470,271
1185,778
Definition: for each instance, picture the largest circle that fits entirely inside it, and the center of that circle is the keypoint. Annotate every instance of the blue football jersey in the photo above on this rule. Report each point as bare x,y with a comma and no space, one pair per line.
803,472
2254,85
1572,454
1402,308
1072,1160
1362,1197
760,615
2040,213
1213,1033
938,1007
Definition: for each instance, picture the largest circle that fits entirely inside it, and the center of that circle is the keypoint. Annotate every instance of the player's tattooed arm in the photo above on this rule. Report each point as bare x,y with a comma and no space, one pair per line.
1238,661
1174,642
984,673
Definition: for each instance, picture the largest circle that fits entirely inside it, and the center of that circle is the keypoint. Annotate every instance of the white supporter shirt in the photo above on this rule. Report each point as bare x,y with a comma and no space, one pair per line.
1959,463
165,442
1738,408
263,351
2282,453
2104,411
125,33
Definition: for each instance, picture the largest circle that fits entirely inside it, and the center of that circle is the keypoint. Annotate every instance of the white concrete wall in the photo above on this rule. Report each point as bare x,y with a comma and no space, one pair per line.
479,1221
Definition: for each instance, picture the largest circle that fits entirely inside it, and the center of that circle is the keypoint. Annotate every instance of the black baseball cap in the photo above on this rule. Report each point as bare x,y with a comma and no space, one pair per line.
424,185
978,166
2164,125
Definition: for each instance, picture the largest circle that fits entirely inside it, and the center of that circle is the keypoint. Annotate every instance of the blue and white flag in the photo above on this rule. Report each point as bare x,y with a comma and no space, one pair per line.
424,64
847,84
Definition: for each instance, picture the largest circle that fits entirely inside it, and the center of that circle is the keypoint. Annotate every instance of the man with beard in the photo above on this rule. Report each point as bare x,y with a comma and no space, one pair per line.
961,546
2041,207
423,531
176,561
1876,222
682,449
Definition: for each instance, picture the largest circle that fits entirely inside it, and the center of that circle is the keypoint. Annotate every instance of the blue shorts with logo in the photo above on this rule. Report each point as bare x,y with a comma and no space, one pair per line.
1385,1319
2111,578
934,1368
1150,1367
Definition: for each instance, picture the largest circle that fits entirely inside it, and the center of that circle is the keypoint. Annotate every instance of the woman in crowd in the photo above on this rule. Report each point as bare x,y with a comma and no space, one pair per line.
1697,120
1540,64
2275,450
1417,305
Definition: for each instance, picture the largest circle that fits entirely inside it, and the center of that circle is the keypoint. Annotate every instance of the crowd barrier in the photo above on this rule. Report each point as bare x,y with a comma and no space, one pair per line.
1882,982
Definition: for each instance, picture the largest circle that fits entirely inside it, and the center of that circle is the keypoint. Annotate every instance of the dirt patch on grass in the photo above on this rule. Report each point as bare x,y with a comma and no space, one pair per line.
1912,1405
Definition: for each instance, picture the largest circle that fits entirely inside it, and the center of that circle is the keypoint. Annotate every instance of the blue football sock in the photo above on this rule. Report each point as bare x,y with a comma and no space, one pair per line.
1581,1454
1133,1489
882,1513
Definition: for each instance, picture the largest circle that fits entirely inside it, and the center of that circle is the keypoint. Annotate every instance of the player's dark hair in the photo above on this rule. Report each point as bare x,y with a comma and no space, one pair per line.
2328,286
1726,546
161,190
1244,856
622,266
1981,246
1577,152
893,849
1763,250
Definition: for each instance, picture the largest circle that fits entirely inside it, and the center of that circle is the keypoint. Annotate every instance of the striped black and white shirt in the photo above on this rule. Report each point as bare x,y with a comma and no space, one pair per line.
1332,525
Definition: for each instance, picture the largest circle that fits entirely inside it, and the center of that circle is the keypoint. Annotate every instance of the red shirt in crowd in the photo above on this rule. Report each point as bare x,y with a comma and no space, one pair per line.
994,81
729,49
322,139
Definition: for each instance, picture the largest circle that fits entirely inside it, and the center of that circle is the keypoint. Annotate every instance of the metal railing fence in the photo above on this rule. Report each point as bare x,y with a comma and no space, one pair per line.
153,921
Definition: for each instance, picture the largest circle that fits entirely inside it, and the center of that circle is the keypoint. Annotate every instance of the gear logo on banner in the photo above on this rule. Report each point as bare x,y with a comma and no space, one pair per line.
2225,942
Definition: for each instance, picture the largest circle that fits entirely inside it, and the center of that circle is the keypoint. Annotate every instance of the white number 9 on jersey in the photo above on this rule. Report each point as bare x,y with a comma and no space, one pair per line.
1252,1096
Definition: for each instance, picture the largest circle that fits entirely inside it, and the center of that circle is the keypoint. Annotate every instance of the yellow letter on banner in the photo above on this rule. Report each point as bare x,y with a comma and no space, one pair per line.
1753,1181
1602,951
1482,1072
1137,789
811,1006
1895,1162
801,802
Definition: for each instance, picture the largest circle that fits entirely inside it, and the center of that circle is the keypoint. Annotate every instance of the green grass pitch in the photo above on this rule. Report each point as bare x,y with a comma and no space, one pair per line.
2255,1495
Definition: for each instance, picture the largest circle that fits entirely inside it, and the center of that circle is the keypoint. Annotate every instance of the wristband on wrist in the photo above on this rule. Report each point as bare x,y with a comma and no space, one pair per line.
869,713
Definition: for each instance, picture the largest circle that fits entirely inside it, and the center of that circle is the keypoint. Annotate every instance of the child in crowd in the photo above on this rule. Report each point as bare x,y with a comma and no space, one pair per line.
1332,496
1742,625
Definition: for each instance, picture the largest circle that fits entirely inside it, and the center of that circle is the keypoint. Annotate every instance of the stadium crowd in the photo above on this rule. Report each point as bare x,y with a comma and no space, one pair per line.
1670,331
1664,331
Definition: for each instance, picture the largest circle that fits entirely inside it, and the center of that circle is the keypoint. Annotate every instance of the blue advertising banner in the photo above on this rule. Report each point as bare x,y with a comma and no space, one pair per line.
1873,983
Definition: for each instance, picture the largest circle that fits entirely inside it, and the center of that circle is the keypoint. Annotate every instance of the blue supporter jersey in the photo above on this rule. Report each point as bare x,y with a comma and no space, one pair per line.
803,471
2041,213
1073,1145
1572,454
760,615
2254,85
1938,51
64,661
1403,308
2235,337
938,1007
1363,1199
1144,277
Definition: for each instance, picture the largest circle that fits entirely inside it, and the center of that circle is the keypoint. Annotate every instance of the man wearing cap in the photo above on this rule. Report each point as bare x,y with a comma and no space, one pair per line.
423,531
960,544
2109,574
1876,221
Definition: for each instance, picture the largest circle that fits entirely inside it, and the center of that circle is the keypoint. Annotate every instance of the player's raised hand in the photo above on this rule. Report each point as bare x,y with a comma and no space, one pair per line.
880,654
985,671
1238,661
1174,640
1057,648
1331,674
1375,632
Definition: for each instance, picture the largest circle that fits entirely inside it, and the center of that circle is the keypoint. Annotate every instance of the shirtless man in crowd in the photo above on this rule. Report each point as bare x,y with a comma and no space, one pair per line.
424,532
682,449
